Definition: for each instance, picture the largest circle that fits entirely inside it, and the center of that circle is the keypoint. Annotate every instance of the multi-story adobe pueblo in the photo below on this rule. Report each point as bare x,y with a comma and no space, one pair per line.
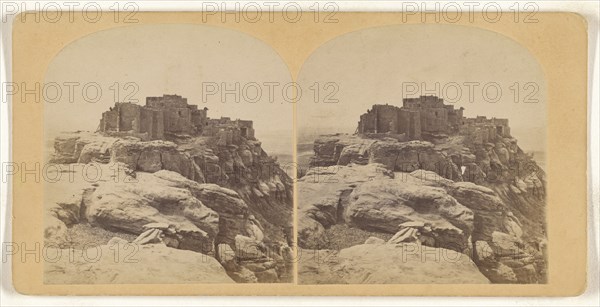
429,115
171,115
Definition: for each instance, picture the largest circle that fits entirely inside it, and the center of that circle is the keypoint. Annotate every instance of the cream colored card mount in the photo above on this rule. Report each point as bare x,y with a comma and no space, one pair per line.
366,154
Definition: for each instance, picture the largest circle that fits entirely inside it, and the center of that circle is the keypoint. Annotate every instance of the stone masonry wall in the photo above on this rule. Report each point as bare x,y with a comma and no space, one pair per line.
171,114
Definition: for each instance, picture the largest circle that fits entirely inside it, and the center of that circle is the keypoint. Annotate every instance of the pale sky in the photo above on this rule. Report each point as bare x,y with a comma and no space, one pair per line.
172,59
370,67
367,67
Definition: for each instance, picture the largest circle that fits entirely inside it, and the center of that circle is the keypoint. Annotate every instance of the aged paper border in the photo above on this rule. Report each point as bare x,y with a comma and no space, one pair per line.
557,40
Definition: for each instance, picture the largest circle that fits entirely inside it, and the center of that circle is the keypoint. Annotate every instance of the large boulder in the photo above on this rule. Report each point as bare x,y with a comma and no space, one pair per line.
322,194
153,156
135,264
383,205
66,203
406,263
64,193
371,198
413,155
247,248
332,149
311,234
80,146
128,206
232,209
55,231
137,155
499,249
97,151
343,149
220,199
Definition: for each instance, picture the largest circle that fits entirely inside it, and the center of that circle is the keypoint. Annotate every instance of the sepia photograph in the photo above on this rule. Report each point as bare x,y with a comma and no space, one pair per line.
304,150
166,177
428,167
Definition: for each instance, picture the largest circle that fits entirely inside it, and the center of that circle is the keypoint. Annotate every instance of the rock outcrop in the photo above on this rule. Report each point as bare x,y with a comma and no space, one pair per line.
242,167
69,147
207,192
385,205
129,206
322,195
454,192
371,198
121,262
341,149
500,246
381,263
154,156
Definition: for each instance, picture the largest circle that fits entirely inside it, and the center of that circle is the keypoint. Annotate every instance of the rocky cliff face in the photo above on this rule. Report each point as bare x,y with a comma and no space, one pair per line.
232,203
485,201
